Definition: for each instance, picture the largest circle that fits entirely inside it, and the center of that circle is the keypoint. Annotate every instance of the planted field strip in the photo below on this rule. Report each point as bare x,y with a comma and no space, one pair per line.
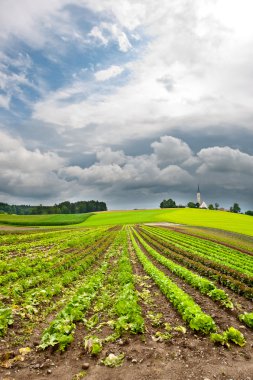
217,272
116,270
203,285
56,260
242,275
185,305
234,259
25,249
49,283
219,237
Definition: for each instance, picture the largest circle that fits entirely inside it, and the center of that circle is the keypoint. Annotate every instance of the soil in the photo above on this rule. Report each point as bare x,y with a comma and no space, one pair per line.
185,356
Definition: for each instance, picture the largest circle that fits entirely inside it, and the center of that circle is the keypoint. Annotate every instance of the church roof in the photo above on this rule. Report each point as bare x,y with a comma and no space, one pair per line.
203,205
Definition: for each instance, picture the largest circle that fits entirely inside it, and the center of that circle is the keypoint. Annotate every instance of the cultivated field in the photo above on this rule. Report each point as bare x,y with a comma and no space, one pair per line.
126,302
227,221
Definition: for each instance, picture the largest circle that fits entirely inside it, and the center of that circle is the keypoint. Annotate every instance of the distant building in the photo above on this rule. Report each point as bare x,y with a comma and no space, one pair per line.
198,196
201,203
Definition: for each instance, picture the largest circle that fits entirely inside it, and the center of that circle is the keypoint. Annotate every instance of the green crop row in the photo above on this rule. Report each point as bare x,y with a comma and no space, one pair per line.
49,286
238,261
221,273
185,305
60,331
126,304
202,284
29,277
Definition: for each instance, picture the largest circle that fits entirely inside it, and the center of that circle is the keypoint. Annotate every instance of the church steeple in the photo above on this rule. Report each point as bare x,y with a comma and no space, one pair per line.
198,196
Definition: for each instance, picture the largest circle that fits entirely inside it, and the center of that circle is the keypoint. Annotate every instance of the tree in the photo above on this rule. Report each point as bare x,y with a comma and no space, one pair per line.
216,205
235,208
169,203
191,205
211,207
249,213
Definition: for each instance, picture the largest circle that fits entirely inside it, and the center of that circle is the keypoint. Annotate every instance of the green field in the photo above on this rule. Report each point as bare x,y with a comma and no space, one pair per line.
43,220
206,218
214,219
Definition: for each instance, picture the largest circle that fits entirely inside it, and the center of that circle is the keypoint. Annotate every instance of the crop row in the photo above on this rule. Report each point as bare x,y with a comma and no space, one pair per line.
202,284
53,283
115,271
204,267
185,305
25,268
238,261
30,276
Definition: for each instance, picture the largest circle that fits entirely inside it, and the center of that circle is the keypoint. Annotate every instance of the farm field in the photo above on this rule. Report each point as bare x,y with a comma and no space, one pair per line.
43,220
242,224
126,302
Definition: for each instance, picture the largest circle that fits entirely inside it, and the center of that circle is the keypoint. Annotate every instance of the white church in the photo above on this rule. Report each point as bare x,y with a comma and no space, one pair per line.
201,203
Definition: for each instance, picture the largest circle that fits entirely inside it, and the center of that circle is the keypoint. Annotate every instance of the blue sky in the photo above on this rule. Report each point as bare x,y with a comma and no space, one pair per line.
126,102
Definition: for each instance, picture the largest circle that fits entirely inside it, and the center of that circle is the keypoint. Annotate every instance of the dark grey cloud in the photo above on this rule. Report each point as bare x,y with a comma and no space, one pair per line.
171,169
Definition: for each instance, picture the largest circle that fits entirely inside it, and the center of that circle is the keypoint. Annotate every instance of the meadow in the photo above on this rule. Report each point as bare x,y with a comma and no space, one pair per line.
206,218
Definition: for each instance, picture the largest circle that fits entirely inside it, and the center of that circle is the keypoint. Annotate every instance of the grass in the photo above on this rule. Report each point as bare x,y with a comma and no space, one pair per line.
205,218
43,220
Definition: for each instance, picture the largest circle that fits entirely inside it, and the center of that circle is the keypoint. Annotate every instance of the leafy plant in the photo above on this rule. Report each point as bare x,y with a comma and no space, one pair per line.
247,318
230,335
181,329
190,311
113,360
156,318
6,319
93,345
160,337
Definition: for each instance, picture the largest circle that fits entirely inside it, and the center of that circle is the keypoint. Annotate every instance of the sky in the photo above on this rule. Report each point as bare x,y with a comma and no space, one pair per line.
128,102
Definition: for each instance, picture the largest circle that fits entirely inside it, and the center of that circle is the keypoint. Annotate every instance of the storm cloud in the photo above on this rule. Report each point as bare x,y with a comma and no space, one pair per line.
126,102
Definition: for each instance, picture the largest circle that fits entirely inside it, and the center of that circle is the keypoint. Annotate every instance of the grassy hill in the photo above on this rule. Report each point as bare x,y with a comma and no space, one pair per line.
195,217
43,220
205,218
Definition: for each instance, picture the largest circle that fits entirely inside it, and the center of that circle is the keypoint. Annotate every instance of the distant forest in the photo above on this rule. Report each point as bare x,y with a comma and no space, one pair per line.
61,208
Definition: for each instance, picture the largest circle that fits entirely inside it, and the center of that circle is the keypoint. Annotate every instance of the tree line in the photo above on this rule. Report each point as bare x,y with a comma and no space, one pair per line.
61,208
170,203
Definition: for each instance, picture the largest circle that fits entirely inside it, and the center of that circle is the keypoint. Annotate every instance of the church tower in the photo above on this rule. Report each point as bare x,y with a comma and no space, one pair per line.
198,196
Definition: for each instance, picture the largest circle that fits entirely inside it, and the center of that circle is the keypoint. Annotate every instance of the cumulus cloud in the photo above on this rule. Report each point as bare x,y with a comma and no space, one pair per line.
225,159
188,66
171,150
119,172
106,74
27,173
226,168
189,74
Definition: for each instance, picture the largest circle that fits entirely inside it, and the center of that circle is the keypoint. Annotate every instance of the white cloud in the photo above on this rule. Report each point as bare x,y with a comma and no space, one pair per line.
208,66
111,72
224,160
108,156
98,34
27,173
171,150
117,171
5,101
107,32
